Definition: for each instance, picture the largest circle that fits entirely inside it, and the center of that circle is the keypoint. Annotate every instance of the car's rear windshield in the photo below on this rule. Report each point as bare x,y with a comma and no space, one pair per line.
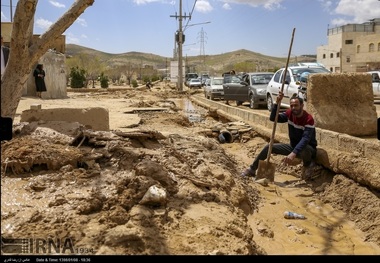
298,71
261,78
217,82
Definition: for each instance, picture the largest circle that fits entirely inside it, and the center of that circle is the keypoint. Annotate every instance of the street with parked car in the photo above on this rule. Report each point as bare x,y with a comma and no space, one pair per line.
251,87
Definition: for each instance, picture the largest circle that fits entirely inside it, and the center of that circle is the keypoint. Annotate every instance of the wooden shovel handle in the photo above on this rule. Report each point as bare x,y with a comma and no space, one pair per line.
279,105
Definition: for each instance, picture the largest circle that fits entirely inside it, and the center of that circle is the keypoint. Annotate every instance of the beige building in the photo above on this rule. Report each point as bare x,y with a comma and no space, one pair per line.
352,48
59,45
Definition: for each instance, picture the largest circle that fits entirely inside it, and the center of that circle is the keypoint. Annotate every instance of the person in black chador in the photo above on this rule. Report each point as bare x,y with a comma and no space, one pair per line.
39,77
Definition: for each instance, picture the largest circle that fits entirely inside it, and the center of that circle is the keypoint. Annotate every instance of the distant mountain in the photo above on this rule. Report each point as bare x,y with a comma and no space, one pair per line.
134,58
215,63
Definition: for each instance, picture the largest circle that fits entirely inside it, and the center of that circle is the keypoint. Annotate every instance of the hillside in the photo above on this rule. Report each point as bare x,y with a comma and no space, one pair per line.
248,60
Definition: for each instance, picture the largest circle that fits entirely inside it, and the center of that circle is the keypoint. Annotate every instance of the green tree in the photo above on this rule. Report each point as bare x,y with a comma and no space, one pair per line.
155,77
103,81
134,83
77,77
146,79
245,66
92,65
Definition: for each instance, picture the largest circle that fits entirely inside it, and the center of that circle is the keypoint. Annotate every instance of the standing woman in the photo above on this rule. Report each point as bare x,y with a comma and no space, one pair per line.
39,76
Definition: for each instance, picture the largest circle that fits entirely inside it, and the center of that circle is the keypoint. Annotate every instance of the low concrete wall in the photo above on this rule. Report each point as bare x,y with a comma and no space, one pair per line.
357,158
93,118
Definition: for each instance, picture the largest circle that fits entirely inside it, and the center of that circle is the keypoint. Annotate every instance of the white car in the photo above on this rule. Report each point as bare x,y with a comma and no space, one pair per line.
375,83
292,84
195,83
213,88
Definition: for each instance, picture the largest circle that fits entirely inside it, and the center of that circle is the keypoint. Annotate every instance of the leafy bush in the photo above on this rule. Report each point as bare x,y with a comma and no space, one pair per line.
146,79
103,81
134,83
78,77
155,78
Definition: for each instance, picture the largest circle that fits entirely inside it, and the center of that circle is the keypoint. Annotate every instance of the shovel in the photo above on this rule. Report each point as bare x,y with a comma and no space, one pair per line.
267,169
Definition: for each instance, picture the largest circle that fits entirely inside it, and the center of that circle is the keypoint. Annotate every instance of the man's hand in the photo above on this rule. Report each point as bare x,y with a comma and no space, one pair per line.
289,159
279,97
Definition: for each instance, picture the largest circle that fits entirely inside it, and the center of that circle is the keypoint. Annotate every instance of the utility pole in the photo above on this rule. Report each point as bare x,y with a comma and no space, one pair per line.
166,69
180,37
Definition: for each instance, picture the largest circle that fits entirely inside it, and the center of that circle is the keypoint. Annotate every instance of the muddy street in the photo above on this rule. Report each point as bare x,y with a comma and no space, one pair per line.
161,183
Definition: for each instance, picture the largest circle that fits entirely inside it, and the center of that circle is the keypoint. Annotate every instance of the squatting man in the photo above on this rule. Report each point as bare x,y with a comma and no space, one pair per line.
301,130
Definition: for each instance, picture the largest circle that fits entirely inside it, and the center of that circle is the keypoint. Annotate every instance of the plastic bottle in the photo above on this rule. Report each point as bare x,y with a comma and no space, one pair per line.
292,215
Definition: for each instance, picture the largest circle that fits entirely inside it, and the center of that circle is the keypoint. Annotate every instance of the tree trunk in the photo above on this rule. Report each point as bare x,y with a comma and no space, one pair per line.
24,54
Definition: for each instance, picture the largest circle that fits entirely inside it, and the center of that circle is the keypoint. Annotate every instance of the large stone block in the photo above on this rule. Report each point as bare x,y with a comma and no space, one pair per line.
96,118
342,102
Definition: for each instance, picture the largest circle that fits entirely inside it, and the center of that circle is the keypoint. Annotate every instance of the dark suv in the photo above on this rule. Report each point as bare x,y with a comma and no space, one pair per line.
249,87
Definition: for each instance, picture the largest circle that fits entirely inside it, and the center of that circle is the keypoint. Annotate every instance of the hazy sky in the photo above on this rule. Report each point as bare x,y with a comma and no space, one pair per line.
149,26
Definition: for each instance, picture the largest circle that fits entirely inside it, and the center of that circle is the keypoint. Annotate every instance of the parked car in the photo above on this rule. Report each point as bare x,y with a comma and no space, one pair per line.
189,76
229,78
251,87
213,88
195,83
375,83
292,83
204,77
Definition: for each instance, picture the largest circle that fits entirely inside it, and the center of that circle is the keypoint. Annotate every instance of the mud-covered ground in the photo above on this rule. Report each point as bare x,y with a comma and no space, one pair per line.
168,186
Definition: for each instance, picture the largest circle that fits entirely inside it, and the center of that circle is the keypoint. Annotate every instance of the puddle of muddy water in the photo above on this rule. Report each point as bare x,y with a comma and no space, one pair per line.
192,112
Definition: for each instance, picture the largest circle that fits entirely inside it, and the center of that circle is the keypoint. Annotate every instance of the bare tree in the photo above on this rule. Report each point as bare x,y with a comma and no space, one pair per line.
114,74
129,72
25,52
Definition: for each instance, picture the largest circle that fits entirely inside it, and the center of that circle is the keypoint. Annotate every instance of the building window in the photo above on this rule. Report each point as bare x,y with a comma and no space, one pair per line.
358,49
324,55
337,55
371,47
348,59
349,42
331,55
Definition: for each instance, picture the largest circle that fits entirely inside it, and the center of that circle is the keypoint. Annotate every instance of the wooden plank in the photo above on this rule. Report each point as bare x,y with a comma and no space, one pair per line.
134,110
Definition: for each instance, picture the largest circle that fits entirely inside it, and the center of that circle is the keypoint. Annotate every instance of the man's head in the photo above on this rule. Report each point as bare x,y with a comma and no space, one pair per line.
296,105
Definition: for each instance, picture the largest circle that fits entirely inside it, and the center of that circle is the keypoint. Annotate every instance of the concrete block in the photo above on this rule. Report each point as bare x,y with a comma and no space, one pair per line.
96,118
372,150
351,144
330,139
342,102
35,106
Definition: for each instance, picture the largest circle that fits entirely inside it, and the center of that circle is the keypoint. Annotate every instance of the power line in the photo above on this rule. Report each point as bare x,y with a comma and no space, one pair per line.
192,10
202,41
